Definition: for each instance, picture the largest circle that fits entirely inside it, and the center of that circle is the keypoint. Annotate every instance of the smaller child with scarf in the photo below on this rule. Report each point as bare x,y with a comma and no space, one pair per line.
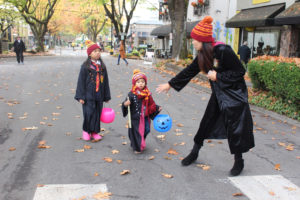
142,109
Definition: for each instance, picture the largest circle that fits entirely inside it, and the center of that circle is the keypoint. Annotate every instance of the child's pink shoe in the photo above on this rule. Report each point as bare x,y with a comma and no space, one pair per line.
86,136
96,136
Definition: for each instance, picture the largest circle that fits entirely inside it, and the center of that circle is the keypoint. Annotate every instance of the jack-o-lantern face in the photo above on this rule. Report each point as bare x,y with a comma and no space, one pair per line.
162,123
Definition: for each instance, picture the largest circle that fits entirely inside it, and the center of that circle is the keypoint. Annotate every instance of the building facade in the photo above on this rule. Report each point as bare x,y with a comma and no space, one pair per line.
271,27
219,10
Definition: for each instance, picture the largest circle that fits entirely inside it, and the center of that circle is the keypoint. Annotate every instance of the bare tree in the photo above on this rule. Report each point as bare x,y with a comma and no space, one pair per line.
115,10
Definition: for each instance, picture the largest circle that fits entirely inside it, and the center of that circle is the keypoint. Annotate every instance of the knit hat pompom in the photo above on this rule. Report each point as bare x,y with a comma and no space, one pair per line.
136,71
89,43
203,31
91,46
207,20
137,74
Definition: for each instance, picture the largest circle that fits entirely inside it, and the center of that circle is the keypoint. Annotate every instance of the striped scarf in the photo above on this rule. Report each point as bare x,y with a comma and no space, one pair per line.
141,94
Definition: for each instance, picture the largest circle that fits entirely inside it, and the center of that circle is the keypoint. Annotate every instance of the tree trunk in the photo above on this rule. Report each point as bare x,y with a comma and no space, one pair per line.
1,46
178,15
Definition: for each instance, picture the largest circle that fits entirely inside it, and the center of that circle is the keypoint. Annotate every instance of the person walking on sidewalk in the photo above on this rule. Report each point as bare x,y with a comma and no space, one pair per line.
122,53
92,90
19,48
244,53
228,113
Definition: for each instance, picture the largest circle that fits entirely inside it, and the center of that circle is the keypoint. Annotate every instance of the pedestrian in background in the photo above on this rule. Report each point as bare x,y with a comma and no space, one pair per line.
19,48
122,53
244,53
227,114
142,109
92,90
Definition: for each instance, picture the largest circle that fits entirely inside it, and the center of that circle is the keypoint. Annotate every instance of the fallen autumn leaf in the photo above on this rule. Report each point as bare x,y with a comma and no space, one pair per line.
102,195
167,175
172,152
237,194
125,171
108,159
79,150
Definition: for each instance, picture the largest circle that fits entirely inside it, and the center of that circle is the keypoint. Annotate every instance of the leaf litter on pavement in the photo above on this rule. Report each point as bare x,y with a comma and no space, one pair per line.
42,145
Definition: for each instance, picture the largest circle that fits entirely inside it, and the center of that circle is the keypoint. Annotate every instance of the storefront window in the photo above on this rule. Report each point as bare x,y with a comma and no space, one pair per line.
262,41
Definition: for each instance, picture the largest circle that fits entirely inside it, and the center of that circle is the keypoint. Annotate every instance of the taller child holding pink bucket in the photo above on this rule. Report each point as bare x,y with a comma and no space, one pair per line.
92,90
227,114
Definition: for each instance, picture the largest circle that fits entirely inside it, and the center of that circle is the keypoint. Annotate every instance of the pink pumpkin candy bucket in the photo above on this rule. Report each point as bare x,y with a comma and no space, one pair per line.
107,115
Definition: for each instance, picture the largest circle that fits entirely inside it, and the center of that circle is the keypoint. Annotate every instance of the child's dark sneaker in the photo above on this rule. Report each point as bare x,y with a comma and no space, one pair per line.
237,167
189,159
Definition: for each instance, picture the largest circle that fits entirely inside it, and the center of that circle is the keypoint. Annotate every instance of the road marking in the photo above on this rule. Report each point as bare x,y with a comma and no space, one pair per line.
267,187
68,191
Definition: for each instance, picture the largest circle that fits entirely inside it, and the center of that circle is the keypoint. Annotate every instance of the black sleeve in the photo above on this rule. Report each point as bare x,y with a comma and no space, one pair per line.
232,68
153,115
230,76
125,108
81,87
184,77
107,96
22,46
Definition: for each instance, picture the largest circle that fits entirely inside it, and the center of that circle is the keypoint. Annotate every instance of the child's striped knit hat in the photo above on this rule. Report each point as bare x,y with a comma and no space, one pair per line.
91,46
137,74
203,30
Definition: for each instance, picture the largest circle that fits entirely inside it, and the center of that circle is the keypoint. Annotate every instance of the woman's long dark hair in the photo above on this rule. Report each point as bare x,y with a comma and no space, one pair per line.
205,57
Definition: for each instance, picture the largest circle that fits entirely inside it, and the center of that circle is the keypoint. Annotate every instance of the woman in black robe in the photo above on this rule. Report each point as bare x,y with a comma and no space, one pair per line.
227,114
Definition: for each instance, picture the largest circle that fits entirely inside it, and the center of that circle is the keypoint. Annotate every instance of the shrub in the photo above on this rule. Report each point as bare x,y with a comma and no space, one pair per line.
280,78
135,53
142,52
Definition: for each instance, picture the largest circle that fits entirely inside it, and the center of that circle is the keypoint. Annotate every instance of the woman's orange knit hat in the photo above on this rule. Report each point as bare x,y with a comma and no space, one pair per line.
203,31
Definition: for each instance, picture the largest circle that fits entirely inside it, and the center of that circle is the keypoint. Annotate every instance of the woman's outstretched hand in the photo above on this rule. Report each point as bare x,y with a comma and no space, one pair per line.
163,88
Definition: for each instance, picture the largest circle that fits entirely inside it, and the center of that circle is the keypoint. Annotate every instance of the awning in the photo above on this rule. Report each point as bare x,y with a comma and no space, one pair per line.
290,16
165,30
161,31
254,17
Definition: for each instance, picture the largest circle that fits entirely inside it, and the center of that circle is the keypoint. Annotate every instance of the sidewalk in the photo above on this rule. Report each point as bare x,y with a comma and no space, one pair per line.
26,54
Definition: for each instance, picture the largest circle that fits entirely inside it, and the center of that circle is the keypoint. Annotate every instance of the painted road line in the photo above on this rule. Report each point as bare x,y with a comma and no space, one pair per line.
267,187
68,191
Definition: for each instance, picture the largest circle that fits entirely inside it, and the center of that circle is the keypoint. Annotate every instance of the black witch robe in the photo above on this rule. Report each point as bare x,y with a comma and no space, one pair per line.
228,113
140,124
86,90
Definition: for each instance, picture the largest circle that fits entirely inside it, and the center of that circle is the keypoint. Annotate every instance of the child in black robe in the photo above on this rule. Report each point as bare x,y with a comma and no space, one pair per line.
142,109
92,90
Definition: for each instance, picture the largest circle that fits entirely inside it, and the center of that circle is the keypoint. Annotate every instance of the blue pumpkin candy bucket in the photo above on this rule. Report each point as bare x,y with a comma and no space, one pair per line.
162,123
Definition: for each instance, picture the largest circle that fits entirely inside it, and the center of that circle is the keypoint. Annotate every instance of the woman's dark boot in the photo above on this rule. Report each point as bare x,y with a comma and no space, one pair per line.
192,156
238,165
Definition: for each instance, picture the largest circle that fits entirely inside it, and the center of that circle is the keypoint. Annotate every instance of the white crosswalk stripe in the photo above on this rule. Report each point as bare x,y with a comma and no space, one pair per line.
272,187
68,191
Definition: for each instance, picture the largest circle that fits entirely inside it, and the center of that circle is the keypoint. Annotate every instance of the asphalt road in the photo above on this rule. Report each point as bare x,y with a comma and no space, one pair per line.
40,95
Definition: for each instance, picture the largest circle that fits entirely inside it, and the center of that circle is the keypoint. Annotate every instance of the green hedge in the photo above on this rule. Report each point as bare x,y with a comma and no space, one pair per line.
282,79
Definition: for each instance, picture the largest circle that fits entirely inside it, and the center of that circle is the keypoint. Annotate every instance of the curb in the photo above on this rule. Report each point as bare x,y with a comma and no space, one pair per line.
263,111
31,55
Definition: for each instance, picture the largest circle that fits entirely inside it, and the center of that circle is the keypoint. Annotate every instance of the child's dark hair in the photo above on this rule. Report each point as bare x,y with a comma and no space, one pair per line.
205,57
